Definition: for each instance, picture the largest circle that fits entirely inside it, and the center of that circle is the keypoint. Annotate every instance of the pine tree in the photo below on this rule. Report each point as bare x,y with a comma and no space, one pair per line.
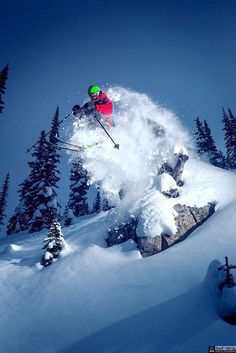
209,142
44,179
52,172
206,146
39,192
3,79
219,160
3,200
226,130
38,205
54,156
200,137
215,156
97,207
105,202
55,243
68,216
79,185
19,221
229,121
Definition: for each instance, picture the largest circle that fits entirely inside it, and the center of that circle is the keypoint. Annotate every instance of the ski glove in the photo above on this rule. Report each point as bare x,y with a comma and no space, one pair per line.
89,106
75,109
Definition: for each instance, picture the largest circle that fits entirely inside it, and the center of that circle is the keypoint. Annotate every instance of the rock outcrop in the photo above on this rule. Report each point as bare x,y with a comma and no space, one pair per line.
187,220
122,233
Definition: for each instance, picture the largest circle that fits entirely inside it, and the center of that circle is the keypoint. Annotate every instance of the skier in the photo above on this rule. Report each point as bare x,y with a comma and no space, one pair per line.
99,104
98,112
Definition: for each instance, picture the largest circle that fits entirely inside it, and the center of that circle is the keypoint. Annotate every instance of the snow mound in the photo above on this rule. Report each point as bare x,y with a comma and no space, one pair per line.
223,295
11,248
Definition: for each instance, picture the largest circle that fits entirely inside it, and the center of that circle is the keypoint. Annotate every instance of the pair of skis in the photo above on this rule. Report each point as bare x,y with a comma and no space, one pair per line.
72,147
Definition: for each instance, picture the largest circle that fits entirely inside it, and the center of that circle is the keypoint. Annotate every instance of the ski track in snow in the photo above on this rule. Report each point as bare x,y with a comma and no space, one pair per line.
102,300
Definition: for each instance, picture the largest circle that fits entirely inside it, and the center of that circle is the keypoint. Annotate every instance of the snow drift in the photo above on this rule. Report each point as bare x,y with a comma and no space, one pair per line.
103,300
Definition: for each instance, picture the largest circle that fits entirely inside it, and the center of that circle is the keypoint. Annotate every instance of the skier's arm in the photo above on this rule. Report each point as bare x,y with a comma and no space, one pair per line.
76,110
88,107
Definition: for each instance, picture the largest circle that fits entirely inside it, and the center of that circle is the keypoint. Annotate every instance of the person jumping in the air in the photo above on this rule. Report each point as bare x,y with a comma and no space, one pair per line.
100,104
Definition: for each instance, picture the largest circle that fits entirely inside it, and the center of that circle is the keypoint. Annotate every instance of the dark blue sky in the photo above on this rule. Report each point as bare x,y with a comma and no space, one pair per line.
181,53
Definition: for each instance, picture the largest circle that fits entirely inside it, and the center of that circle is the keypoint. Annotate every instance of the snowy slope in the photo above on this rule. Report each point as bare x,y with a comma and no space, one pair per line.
95,299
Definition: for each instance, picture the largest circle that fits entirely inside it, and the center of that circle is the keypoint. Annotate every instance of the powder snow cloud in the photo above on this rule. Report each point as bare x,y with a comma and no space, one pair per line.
147,134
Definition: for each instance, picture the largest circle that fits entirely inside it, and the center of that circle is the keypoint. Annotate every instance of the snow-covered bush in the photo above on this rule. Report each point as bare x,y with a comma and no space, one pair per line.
55,243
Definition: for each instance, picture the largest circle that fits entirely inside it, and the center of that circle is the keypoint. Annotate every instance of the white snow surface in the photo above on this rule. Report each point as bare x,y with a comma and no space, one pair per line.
165,182
98,299
110,300
157,215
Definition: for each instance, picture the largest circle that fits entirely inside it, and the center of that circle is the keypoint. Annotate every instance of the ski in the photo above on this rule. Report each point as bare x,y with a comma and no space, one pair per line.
71,147
60,122
86,145
59,147
70,144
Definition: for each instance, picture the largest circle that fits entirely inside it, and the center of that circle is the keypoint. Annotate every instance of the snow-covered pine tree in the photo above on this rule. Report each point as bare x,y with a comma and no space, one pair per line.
68,216
97,206
3,199
219,160
3,79
52,171
19,221
229,122
79,185
54,156
38,204
105,203
101,201
45,178
55,243
40,193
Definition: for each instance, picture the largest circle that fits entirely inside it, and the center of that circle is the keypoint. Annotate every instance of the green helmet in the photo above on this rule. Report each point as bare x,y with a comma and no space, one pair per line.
93,89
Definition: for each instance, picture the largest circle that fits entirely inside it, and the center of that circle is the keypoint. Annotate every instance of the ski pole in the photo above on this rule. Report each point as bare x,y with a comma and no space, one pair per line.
60,122
116,145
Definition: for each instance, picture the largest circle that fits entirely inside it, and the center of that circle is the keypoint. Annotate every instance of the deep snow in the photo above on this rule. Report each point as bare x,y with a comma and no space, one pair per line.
102,300
95,299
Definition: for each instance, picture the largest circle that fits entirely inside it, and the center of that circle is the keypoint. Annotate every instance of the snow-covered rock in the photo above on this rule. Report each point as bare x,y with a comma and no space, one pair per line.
154,237
187,220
